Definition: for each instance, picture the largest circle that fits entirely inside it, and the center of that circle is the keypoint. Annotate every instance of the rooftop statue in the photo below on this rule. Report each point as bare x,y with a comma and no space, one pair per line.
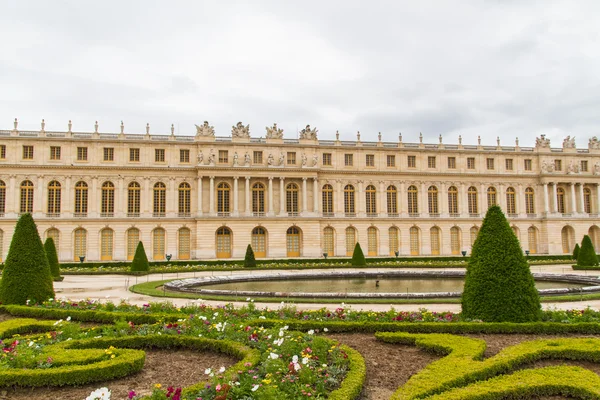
308,133
542,141
274,132
240,131
569,143
594,143
205,130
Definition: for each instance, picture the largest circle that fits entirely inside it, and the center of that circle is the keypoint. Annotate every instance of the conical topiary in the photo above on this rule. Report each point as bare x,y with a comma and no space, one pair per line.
499,286
358,258
249,260
26,274
587,255
50,250
576,252
140,260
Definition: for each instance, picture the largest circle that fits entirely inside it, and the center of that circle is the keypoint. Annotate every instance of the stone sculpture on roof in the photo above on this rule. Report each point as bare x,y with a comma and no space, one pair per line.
569,143
594,143
240,131
205,130
274,132
542,141
308,133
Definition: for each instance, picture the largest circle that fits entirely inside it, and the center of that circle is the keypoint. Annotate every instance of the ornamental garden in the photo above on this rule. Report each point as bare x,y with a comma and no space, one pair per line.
503,344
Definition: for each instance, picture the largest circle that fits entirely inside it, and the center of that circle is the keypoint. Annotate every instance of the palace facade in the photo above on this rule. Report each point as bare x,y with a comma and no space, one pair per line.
188,197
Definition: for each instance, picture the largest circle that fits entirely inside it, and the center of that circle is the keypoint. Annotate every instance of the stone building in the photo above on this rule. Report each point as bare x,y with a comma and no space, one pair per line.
204,196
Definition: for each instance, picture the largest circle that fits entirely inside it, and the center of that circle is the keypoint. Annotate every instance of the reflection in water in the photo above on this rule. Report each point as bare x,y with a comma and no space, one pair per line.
356,285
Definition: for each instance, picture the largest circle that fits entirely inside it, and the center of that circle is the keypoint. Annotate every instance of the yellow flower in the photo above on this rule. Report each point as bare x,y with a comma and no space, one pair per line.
157,385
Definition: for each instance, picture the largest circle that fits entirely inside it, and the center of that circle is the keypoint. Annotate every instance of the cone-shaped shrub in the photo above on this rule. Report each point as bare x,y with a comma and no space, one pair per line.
576,252
26,274
499,286
358,258
249,260
587,255
140,260
50,250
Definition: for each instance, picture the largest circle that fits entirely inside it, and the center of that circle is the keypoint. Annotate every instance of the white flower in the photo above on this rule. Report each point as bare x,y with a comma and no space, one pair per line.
202,317
274,356
297,367
221,370
280,333
304,360
51,299
262,317
68,318
207,371
31,344
247,298
311,332
325,330
324,365
295,359
27,302
254,388
99,394
58,322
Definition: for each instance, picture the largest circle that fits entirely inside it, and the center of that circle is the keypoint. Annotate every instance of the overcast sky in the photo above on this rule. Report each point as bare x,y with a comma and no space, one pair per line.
489,68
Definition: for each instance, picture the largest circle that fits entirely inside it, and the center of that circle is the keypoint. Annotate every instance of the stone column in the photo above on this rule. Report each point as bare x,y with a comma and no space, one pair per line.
235,197
271,211
424,206
12,197
554,202
199,194
483,204
172,207
463,204
381,207
211,197
443,199
598,198
93,198
247,193
281,196
304,197
581,202
360,201
340,199
315,196
546,204
573,209
147,199
67,198
402,211
38,196
521,200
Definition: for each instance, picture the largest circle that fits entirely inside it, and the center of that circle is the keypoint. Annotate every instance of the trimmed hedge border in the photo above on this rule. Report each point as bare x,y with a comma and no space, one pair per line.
355,378
21,326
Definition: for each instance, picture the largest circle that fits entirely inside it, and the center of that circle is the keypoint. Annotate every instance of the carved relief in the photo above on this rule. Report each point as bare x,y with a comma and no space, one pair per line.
205,130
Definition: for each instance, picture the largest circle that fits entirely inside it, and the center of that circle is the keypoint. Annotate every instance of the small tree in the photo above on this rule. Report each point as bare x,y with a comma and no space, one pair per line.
50,250
358,258
26,274
587,255
140,260
576,252
499,286
249,260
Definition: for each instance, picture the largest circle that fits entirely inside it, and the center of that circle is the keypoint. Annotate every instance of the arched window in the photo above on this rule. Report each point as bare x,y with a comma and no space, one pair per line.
223,242
133,238
532,239
184,236
393,240
511,207
560,200
26,197
223,193
453,201
594,233
529,201
350,240
434,234
79,243
455,240
158,244
392,201
259,242
133,200
413,204
185,200
568,239
106,244
587,200
370,200
327,197
432,199
474,231
415,245
491,196
54,191
349,200
472,200
293,241
258,199
160,199
107,207
81,199
516,232
291,198
2,202
55,235
328,241
372,243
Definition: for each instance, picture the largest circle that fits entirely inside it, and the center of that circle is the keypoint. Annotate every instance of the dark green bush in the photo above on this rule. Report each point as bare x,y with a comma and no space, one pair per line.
249,260
26,274
587,255
50,249
576,252
498,284
140,260
358,258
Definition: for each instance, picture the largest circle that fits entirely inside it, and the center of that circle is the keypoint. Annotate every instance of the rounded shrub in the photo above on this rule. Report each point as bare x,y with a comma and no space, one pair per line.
587,255
26,274
499,286
140,260
358,257
576,251
249,259
50,249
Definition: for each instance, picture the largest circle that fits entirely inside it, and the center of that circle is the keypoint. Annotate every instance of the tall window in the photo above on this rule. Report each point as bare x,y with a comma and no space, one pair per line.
451,162
455,240
560,200
26,197
184,237
529,201
158,244
55,235
413,203
258,198
432,200
567,239
259,241
81,199
134,155
411,161
291,158
159,155
470,162
348,160
109,154
370,198
372,241
328,241
223,193
2,157
133,238
82,154
27,152
434,234
160,199
223,156
55,152
293,241
107,208
1,244
79,243
326,158
491,196
509,164
184,156
327,196
391,160
527,165
511,207
532,239
558,165
257,157
452,200
133,200
490,163
350,240
431,162
370,160
584,166
54,198
185,199
291,198
393,240
2,201
415,245
106,244
223,239
472,200
392,200
349,199
474,231
587,200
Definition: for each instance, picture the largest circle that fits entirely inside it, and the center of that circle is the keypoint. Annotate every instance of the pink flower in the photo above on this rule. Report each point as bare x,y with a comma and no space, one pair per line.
131,395
218,387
